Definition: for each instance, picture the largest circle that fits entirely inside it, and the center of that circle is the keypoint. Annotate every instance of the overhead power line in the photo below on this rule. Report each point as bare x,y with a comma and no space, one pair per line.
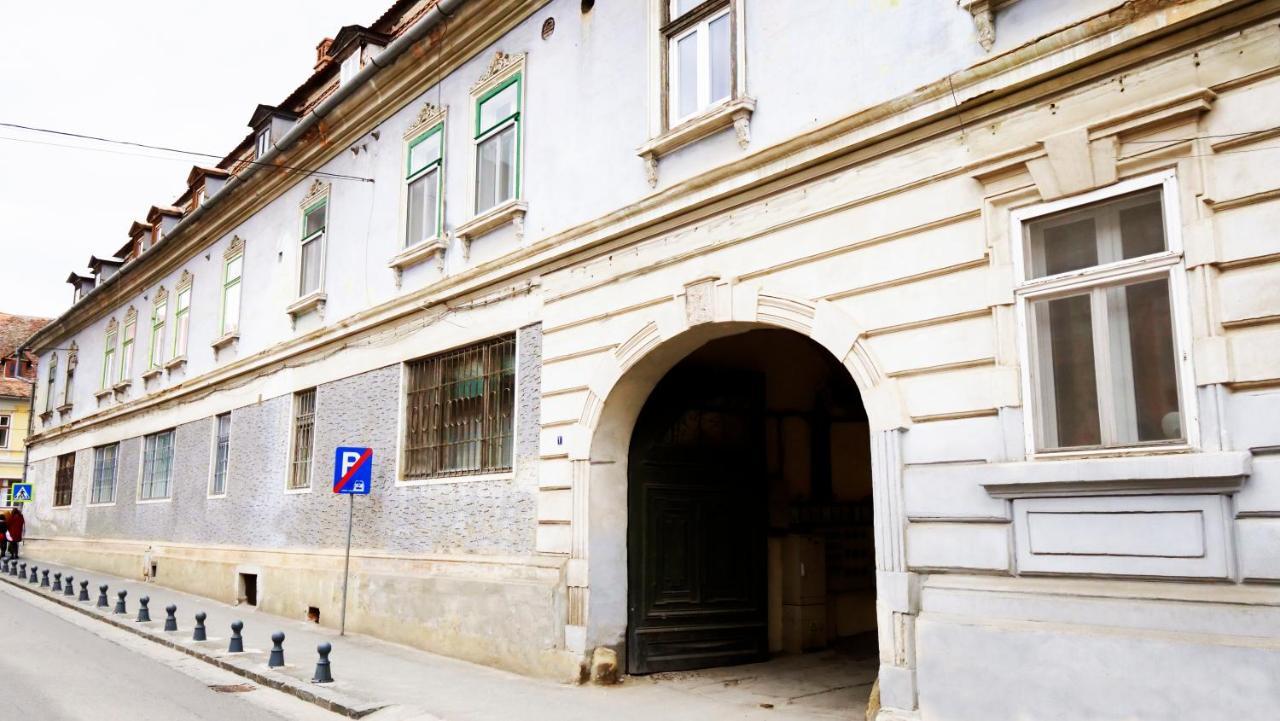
162,148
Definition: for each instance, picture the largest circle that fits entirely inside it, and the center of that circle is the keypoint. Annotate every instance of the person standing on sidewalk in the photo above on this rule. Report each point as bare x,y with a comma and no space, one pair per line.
13,531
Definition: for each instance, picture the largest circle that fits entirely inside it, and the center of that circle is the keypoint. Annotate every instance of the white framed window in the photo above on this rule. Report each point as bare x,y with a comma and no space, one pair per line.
232,270
497,138
1101,301
50,383
157,466
221,454
311,250
73,359
109,355
126,346
701,57
104,474
262,144
424,174
181,321
303,439
6,426
159,311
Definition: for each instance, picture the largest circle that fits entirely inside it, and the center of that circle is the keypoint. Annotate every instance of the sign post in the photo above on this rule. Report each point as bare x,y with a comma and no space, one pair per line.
352,476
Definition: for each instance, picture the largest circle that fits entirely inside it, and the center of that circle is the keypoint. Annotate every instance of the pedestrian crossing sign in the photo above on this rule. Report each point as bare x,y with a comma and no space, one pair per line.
22,493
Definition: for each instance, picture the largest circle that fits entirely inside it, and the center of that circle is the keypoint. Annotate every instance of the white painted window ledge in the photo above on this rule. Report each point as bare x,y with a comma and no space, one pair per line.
152,373
1211,472
313,301
734,113
104,394
64,409
511,212
418,253
175,363
225,340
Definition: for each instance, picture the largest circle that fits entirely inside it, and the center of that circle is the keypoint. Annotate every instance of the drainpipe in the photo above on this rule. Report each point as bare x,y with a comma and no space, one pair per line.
443,10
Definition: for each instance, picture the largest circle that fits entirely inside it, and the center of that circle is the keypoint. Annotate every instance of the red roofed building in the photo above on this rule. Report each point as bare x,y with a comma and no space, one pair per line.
18,375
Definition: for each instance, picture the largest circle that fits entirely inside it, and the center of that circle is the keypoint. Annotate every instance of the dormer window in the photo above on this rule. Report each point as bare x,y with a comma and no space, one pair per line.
352,48
349,68
263,143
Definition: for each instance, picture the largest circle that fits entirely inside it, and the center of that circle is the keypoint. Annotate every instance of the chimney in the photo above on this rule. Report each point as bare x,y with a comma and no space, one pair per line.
322,53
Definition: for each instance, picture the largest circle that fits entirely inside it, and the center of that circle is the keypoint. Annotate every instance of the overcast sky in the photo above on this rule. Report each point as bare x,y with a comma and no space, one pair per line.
164,72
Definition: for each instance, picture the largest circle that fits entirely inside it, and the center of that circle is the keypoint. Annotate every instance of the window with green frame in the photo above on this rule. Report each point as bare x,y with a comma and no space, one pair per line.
232,270
126,348
311,265
498,144
423,175
158,315
109,356
181,322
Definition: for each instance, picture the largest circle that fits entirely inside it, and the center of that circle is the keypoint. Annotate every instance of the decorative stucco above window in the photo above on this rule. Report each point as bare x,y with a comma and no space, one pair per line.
697,61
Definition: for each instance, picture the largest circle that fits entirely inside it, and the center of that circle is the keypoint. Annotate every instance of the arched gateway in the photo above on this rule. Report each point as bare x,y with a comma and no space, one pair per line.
739,477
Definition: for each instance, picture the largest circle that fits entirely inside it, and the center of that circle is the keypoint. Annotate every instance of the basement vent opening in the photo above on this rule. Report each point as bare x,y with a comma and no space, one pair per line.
313,614
153,570
248,591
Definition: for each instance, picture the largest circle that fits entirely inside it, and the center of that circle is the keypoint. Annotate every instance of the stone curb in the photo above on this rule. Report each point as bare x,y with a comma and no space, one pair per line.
329,701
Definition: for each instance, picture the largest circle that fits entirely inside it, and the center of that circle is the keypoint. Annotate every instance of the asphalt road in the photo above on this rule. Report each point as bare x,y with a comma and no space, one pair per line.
56,666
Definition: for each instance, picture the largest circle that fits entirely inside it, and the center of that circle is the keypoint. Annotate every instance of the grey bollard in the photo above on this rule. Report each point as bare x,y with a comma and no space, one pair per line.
34,576
102,597
198,634
57,582
170,621
144,613
44,578
4,564
84,592
323,673
237,642
277,650
120,605
23,571
69,588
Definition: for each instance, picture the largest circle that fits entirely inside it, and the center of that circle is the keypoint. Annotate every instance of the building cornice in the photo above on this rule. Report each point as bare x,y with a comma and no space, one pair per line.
928,112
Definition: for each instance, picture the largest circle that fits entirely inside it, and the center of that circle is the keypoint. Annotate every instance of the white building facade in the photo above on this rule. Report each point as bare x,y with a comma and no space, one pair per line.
646,308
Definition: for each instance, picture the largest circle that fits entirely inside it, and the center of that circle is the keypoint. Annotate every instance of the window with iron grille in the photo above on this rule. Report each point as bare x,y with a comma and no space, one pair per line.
104,474
66,476
459,413
157,466
221,454
304,425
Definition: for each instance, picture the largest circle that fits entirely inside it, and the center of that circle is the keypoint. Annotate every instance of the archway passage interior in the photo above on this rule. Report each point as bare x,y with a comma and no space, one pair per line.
749,509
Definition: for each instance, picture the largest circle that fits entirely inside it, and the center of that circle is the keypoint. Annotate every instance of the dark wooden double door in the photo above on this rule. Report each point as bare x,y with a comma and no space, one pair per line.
696,526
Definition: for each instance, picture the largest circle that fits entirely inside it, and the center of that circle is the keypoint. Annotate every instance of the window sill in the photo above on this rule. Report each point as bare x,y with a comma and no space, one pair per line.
418,253
732,113
46,417
1213,472
442,480
100,505
175,363
64,409
511,212
152,374
313,301
121,387
296,491
225,341
104,394
149,501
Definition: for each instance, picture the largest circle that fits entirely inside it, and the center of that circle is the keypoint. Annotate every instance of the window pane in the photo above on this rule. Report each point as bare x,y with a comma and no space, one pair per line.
487,174
680,7
310,277
1142,227
499,107
720,58
231,309
423,203
1143,362
686,72
506,164
315,220
1065,372
180,340
424,153
1128,227
234,267
1063,247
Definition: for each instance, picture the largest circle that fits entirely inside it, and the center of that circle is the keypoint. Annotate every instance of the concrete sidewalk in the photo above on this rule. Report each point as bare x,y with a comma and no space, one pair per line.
384,681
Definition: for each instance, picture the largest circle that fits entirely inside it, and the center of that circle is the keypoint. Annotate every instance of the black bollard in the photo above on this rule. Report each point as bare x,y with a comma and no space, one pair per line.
34,577
4,564
44,578
120,606
323,673
144,613
277,650
57,582
69,588
102,596
23,573
84,592
237,642
170,621
198,634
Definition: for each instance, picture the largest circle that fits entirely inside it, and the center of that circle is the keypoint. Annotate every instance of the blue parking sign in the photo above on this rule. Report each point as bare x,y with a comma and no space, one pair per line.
353,470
